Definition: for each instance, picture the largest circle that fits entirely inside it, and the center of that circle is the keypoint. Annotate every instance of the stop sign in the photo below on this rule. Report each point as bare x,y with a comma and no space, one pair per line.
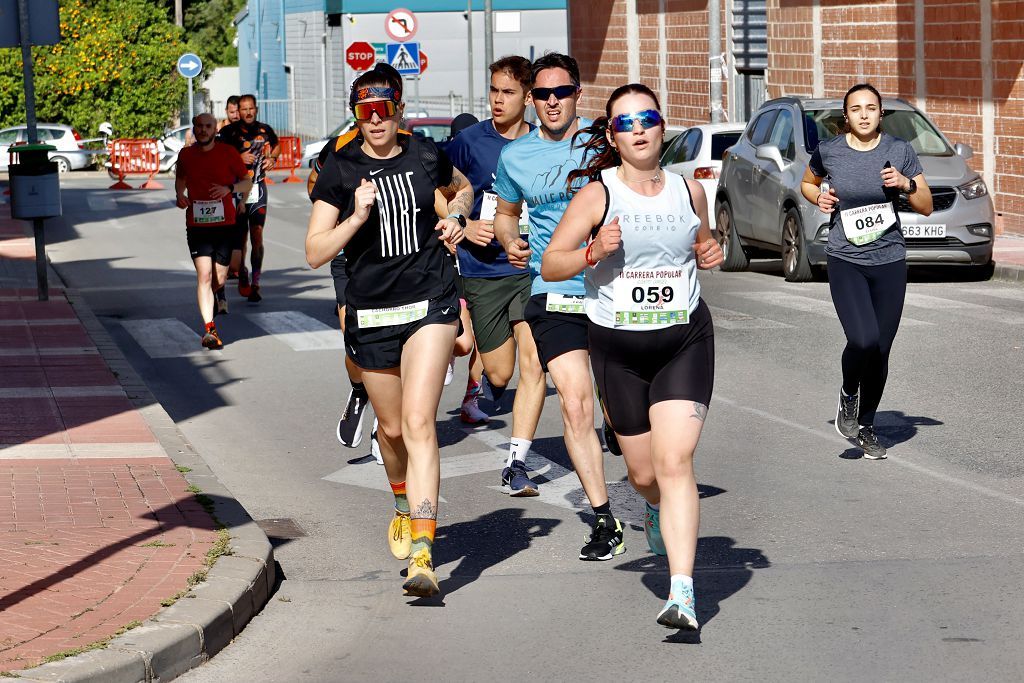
360,55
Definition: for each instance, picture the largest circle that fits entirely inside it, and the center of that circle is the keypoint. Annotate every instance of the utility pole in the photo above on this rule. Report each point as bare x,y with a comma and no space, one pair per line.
488,42
469,47
715,59
178,14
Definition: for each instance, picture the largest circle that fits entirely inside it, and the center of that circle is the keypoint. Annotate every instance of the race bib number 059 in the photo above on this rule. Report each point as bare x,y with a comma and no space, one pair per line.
207,212
652,297
865,224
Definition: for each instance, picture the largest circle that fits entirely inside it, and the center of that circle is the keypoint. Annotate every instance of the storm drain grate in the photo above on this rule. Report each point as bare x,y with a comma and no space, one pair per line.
280,528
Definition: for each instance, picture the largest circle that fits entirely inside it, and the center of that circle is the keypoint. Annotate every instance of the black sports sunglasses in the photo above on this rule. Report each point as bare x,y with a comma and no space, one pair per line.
560,91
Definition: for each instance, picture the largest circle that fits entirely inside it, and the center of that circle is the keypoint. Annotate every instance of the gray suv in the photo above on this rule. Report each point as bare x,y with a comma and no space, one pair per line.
759,207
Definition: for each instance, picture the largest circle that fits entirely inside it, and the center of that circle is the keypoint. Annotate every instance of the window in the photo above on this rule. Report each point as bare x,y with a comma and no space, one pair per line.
907,125
782,135
8,137
762,127
671,153
721,142
693,144
47,134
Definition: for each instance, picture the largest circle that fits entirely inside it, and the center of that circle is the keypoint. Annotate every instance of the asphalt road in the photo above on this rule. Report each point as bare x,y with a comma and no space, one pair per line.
813,563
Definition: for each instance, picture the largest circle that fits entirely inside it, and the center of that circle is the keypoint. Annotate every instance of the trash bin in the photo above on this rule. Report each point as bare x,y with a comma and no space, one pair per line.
35,183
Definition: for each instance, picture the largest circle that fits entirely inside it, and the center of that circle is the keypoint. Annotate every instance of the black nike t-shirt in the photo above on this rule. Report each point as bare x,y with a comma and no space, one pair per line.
395,258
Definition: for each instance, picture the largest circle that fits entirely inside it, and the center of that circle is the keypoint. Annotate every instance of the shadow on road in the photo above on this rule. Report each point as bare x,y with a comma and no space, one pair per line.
721,570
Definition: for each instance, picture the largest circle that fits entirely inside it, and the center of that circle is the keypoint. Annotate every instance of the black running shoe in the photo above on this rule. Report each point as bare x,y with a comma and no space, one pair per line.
350,426
867,440
605,540
846,415
611,442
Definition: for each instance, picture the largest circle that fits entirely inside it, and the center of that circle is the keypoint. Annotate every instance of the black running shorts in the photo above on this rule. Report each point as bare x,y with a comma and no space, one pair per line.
215,243
636,369
380,348
554,333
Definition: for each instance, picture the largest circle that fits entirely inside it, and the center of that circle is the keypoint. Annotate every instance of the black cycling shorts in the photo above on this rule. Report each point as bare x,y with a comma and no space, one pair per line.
636,369
340,276
554,333
380,348
215,243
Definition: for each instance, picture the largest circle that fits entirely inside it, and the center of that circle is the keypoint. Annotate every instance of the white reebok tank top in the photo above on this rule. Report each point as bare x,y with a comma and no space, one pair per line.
650,283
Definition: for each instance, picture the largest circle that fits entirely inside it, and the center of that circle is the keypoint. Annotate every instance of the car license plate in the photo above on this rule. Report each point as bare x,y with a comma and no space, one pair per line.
926,231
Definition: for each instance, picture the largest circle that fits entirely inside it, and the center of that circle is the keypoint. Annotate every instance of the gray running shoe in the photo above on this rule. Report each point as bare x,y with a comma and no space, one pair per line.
867,440
846,415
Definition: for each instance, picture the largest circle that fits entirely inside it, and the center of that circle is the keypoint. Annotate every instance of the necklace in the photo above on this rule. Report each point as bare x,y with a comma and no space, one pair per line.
656,178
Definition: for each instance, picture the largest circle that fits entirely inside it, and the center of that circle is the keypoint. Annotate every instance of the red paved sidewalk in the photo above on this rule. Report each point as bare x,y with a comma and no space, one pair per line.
96,523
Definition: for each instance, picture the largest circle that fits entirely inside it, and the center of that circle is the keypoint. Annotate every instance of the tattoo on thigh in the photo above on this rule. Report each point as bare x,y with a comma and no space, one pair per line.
700,411
425,510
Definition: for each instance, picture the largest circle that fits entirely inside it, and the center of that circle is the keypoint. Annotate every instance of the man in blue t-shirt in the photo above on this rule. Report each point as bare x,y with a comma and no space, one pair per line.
534,170
497,292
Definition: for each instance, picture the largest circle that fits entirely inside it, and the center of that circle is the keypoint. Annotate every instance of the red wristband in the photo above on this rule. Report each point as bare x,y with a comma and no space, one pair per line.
588,253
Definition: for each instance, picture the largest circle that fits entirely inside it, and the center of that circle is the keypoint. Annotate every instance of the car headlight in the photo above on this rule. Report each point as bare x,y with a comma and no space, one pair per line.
974,189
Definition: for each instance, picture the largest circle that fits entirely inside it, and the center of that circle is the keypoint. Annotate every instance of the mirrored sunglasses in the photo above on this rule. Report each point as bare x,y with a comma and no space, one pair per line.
364,111
560,92
648,118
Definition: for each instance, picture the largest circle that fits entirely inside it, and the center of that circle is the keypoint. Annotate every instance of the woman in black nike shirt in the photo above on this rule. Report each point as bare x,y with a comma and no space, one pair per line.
375,200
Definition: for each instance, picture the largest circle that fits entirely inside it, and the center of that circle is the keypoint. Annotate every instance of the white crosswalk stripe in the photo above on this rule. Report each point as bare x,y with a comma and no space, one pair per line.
941,305
299,331
808,305
1010,293
164,337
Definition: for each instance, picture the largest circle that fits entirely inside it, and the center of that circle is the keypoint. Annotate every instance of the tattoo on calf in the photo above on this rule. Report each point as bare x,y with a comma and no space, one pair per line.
700,411
425,510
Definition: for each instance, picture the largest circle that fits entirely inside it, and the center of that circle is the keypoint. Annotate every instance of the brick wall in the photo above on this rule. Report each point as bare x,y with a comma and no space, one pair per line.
1008,93
790,49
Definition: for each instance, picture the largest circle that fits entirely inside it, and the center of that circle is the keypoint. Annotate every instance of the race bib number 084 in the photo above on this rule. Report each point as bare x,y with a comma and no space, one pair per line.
865,224
652,297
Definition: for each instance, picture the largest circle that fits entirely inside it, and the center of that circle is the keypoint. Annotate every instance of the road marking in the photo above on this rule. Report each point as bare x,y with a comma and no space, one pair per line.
832,437
733,320
299,331
1016,294
939,304
372,476
809,305
289,247
164,337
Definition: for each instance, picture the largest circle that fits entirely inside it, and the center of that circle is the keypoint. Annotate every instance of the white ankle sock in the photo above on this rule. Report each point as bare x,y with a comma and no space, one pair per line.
683,580
517,450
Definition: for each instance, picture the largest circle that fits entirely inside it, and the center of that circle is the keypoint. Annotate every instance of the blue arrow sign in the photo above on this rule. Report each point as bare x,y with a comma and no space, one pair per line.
405,57
189,65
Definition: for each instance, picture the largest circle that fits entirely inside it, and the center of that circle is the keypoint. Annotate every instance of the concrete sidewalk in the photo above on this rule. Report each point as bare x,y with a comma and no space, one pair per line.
1008,254
102,535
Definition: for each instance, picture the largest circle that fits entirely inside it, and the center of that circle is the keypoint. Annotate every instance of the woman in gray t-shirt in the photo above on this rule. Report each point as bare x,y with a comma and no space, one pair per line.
866,171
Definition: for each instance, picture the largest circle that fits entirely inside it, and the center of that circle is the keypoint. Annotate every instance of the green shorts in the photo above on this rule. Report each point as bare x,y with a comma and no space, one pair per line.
495,303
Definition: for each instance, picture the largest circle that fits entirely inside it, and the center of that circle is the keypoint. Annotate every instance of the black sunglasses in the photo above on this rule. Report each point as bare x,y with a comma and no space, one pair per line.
560,92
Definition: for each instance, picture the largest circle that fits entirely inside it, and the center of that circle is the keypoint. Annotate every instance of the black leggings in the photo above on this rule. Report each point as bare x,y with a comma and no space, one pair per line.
869,301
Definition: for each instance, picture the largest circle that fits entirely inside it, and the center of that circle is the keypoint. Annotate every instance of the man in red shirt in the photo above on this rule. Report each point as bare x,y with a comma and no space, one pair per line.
209,174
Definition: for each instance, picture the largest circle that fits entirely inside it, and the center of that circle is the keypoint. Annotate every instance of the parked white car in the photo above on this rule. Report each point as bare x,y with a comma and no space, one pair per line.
69,155
312,150
696,153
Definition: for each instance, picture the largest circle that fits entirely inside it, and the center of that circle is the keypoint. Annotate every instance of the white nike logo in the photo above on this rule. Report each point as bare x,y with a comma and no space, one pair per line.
445,310
376,172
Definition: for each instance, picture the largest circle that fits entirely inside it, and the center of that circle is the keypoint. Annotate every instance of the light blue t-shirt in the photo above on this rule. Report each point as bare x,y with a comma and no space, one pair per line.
534,170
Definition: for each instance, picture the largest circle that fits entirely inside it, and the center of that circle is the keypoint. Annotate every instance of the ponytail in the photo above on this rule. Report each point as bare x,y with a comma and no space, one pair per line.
597,150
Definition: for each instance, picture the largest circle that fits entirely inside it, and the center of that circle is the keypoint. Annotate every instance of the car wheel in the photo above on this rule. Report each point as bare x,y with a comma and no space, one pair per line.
733,256
63,165
795,265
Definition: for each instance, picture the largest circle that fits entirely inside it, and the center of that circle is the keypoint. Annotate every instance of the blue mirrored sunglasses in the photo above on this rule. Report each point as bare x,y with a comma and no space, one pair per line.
648,118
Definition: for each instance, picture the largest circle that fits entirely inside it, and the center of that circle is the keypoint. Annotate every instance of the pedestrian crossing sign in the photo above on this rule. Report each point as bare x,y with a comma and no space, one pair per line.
405,57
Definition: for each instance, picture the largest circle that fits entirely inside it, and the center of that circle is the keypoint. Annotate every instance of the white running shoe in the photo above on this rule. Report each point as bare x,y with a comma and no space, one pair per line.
450,374
471,412
375,445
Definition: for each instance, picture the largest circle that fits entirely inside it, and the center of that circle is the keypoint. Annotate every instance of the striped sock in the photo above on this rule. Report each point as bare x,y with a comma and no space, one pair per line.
401,502
423,534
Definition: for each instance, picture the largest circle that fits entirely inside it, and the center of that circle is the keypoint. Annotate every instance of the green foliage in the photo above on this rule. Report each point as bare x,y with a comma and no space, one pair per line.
208,24
115,62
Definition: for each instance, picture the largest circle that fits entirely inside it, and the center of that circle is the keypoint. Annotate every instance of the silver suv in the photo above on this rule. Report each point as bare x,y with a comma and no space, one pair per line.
759,207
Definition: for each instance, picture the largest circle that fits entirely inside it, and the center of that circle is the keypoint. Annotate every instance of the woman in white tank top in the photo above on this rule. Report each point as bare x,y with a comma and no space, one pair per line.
644,235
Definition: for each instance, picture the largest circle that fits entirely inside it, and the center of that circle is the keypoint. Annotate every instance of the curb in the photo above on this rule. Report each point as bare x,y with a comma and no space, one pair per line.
206,619
1008,273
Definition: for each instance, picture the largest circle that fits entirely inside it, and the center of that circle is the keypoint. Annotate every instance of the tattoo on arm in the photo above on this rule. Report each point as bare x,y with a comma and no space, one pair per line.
459,181
425,510
700,411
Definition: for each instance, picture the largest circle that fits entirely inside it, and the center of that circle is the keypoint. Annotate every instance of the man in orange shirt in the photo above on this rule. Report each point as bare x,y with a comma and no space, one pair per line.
209,174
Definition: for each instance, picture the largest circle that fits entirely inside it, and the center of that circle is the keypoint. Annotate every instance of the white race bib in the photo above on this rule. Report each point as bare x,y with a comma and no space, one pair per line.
396,315
865,224
652,297
205,212
489,209
254,194
564,303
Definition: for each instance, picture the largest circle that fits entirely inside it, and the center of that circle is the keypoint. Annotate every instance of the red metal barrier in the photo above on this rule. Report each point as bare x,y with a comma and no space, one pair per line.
138,157
289,159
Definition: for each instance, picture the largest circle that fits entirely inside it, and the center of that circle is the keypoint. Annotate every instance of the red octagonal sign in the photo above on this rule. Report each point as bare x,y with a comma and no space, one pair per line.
360,55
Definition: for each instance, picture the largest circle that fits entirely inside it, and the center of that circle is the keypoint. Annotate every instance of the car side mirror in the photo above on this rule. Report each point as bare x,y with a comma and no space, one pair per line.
964,150
770,153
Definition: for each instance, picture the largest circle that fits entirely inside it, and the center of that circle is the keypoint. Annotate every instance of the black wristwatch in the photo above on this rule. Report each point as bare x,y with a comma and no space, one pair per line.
913,186
458,217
